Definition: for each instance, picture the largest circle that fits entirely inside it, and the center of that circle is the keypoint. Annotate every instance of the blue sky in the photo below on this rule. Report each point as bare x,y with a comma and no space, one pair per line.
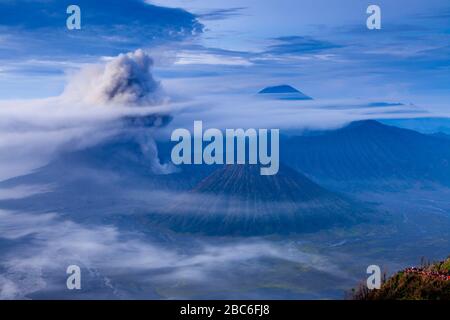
322,47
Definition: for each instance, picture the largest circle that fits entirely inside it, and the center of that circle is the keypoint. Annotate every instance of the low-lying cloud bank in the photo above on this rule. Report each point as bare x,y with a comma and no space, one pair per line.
48,244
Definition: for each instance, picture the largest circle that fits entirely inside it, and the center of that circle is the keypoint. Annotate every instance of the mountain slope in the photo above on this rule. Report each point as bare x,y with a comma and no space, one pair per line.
245,181
237,200
369,152
100,178
364,154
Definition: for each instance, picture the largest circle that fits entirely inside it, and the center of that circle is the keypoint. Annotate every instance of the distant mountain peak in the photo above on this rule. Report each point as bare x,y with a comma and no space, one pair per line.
365,123
285,92
284,88
374,126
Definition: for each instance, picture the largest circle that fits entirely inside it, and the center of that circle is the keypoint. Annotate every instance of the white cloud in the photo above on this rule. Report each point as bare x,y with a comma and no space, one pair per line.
124,80
186,58
52,243
21,192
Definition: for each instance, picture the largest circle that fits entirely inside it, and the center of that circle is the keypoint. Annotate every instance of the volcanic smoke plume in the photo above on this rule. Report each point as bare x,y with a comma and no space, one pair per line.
124,80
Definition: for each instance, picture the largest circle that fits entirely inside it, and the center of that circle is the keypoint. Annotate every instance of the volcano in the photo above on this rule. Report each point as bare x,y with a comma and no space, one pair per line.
369,154
284,92
237,200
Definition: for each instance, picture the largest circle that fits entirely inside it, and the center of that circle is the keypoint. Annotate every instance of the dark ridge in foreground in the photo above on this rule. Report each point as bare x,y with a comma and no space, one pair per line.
428,282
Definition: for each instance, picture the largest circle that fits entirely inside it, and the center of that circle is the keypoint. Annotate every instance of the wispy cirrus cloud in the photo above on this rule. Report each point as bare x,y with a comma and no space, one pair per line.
220,14
299,45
